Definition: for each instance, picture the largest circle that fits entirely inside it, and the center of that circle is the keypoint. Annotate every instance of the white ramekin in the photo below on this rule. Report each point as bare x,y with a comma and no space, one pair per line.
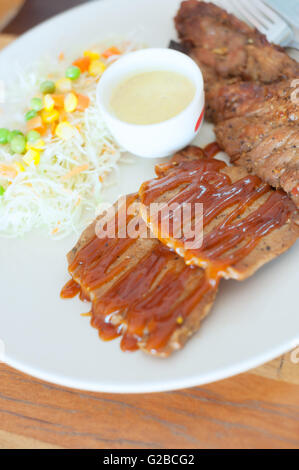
167,137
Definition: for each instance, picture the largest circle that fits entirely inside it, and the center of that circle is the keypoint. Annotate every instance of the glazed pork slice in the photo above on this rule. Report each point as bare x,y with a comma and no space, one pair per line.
245,223
229,47
139,289
266,138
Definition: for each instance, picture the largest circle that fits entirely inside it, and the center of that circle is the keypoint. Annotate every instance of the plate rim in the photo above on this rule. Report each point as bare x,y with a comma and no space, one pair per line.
145,386
157,386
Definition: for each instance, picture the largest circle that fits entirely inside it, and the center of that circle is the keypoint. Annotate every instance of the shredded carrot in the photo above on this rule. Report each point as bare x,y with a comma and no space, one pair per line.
61,56
104,150
75,171
87,314
55,230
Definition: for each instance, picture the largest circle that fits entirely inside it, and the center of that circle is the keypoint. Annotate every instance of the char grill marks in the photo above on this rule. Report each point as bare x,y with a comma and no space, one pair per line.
245,222
139,289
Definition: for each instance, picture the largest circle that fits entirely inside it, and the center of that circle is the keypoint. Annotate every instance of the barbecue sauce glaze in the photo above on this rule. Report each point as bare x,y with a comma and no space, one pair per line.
154,310
148,305
201,180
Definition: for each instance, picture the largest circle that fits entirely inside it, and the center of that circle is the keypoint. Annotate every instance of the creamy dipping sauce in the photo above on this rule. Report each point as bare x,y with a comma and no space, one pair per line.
151,97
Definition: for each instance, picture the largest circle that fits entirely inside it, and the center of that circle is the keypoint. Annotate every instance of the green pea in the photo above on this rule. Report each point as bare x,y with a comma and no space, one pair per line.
30,115
12,134
36,104
2,190
73,72
18,144
4,135
32,136
47,87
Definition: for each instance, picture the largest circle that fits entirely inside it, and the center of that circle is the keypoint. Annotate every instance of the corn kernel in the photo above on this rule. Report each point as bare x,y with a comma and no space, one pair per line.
64,130
92,55
64,85
32,156
49,103
50,116
97,68
70,102
37,145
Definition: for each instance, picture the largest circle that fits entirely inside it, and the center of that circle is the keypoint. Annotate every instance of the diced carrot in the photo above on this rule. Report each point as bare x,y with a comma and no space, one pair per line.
83,63
42,130
83,102
34,123
63,116
111,51
58,100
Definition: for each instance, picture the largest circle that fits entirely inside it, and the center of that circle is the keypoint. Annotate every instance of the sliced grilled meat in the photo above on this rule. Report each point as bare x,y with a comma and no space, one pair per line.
139,289
257,120
245,222
229,47
229,53
266,138
228,99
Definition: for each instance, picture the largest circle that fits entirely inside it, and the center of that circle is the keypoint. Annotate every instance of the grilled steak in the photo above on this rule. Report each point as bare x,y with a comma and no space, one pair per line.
257,122
236,60
228,99
139,289
265,139
229,47
144,292
245,222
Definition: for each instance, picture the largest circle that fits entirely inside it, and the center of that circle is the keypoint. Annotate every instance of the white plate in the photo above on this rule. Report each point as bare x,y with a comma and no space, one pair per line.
251,322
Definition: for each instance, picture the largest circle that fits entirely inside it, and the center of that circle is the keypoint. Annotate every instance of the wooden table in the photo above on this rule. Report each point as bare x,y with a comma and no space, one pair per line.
259,409
8,9
35,11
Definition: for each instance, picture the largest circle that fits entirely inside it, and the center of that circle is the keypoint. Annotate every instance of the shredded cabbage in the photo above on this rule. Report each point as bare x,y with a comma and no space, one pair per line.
62,193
